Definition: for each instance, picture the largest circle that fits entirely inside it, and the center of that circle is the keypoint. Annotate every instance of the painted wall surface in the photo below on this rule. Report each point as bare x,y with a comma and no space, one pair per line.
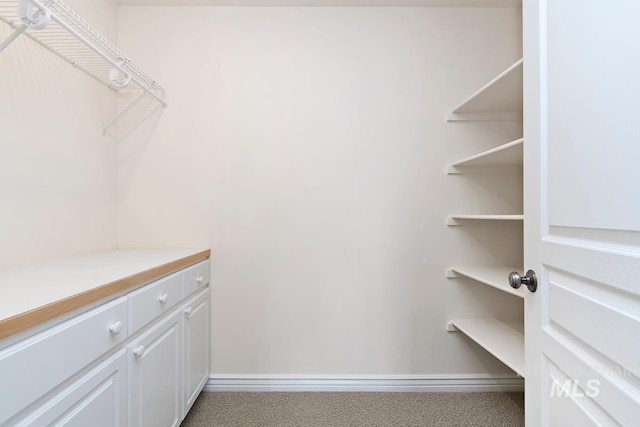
58,174
307,147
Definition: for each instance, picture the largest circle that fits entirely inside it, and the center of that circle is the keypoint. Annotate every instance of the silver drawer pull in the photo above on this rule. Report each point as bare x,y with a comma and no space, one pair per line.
139,351
116,328
162,299
188,311
200,279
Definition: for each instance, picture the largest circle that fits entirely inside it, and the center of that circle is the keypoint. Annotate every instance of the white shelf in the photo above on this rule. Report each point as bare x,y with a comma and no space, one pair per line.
507,155
73,40
493,276
500,99
503,340
467,219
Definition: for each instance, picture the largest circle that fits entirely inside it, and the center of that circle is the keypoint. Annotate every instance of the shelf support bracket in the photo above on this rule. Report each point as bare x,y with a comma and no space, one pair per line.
453,221
124,110
12,37
452,274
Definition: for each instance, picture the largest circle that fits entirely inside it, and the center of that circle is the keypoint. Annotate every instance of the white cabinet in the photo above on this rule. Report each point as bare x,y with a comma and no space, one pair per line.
140,359
177,346
155,367
196,347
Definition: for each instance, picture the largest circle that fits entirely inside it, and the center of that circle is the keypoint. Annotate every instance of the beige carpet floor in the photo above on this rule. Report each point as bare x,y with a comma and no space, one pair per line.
357,409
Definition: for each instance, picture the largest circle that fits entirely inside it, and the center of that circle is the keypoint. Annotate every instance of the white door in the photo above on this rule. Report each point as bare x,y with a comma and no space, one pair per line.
582,211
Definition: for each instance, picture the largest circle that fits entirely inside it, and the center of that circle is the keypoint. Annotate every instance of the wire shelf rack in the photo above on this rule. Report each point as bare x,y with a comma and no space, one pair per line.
63,32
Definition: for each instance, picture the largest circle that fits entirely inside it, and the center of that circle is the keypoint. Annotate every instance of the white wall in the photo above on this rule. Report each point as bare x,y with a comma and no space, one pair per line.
307,148
58,173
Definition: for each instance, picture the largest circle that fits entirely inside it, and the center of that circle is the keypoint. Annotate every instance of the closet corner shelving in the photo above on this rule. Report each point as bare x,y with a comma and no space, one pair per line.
56,27
500,99
505,340
493,276
469,219
505,156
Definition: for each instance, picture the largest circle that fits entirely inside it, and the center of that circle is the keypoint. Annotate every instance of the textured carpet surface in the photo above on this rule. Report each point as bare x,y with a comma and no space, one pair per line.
357,409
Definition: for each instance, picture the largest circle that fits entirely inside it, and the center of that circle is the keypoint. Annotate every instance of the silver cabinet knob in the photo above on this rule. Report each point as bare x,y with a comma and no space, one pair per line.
529,280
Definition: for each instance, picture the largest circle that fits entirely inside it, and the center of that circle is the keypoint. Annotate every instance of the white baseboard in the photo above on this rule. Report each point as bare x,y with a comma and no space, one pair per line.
473,383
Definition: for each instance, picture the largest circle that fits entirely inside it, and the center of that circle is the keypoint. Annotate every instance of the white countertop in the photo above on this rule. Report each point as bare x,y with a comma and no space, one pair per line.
28,288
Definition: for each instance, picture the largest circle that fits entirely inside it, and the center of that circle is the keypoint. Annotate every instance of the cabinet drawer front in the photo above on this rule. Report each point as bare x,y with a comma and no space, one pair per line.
32,367
153,300
196,277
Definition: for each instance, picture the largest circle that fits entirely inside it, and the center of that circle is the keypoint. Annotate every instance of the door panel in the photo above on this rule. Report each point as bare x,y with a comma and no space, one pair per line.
593,83
611,265
588,378
582,316
569,403
582,211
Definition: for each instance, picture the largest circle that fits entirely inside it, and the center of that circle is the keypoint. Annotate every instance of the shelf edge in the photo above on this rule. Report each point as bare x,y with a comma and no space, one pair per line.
459,273
484,117
483,154
467,219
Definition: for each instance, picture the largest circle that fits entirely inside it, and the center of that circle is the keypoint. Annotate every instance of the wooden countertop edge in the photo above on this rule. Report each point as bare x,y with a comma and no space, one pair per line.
22,321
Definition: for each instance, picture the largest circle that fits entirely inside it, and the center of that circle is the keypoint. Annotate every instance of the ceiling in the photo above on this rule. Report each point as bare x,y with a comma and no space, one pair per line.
326,3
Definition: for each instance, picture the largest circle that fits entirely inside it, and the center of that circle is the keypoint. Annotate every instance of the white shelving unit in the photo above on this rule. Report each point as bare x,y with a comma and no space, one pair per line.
505,156
500,99
494,276
502,339
469,219
53,25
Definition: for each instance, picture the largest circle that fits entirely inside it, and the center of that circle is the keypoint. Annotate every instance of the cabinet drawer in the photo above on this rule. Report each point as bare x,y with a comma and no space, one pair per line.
196,277
32,367
153,300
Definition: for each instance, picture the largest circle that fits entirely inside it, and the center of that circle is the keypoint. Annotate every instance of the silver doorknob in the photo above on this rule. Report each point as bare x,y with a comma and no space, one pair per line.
529,280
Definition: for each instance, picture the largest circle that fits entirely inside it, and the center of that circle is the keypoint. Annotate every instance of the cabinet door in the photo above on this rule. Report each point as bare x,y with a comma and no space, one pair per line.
196,347
155,379
97,399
